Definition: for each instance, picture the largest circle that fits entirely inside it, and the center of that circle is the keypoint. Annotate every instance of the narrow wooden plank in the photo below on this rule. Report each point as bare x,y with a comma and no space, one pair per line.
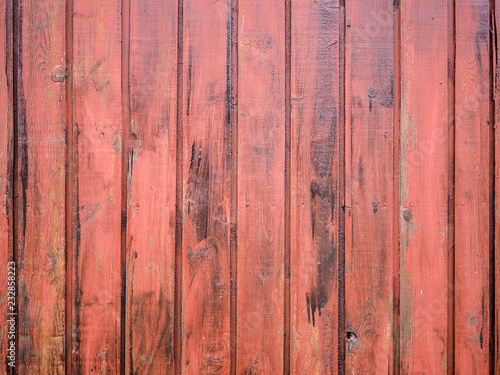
369,186
207,189
151,187
7,280
495,256
40,185
425,163
473,123
315,169
261,160
97,181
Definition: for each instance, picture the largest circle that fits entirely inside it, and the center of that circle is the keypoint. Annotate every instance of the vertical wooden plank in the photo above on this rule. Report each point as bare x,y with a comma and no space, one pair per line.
261,184
7,293
424,195
151,187
369,186
97,201
315,210
40,185
474,123
495,256
207,189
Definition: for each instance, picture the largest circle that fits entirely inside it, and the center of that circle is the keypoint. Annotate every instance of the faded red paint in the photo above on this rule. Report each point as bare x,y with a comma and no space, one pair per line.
250,186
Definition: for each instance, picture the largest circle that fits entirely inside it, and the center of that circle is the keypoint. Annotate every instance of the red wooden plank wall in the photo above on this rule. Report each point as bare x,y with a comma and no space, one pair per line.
249,186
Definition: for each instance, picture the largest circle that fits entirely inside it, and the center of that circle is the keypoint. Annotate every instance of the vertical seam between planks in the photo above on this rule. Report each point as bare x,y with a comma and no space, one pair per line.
451,188
125,98
233,240
69,189
11,146
342,190
178,288
492,195
287,187
396,186
16,46
125,170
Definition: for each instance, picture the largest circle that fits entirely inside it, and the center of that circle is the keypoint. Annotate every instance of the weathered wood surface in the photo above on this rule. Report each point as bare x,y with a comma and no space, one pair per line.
97,179
369,154
6,176
250,186
39,194
474,210
261,186
151,179
425,195
315,186
207,174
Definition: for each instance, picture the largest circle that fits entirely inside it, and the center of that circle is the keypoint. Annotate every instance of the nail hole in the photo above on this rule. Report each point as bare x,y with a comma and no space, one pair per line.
351,336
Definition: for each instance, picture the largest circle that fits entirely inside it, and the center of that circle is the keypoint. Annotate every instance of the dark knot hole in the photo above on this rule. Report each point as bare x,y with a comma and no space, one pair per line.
351,336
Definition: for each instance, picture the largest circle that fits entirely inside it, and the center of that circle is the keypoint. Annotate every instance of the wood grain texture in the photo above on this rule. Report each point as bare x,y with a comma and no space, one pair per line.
6,175
495,266
207,187
40,186
225,187
97,179
151,187
261,160
369,186
424,186
314,176
473,123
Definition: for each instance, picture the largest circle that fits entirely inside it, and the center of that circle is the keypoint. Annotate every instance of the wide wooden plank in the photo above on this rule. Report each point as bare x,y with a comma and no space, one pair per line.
40,185
425,164
98,183
369,177
314,186
261,186
207,189
473,156
151,187
7,280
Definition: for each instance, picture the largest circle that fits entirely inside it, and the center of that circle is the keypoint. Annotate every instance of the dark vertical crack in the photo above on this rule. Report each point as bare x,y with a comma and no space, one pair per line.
341,190
287,192
126,171
69,176
492,232
451,189
396,185
178,323
20,167
232,113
